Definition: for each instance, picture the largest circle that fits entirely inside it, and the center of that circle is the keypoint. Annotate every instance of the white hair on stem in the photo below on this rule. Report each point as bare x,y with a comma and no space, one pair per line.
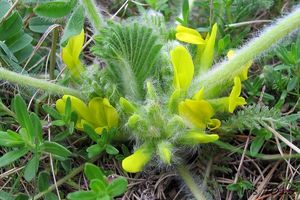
225,71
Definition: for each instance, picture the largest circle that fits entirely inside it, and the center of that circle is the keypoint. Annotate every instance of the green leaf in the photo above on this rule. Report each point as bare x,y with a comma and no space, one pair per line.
39,25
256,145
55,148
55,9
58,123
117,187
5,195
50,196
22,116
91,171
12,156
7,52
4,5
233,187
43,181
74,25
91,132
37,131
52,111
68,110
24,53
293,83
152,3
105,197
11,139
11,26
111,150
94,150
98,186
185,12
32,167
131,52
61,136
22,197
19,41
80,195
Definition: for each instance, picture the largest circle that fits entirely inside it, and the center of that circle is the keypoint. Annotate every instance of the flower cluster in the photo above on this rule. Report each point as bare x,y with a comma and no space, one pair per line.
162,122
99,113
71,52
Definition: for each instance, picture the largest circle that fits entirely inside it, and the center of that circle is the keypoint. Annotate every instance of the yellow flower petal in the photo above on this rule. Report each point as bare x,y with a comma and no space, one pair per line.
234,97
196,112
207,55
67,58
75,44
183,67
60,106
71,52
188,35
79,107
213,124
199,95
198,138
97,108
137,161
111,114
99,130
104,113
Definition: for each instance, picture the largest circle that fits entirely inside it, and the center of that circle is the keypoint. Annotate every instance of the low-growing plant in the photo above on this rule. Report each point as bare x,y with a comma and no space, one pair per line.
159,86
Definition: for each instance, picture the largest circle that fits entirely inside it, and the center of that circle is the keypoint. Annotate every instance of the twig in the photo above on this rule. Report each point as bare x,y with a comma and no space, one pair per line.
119,10
264,182
50,156
240,165
247,23
283,139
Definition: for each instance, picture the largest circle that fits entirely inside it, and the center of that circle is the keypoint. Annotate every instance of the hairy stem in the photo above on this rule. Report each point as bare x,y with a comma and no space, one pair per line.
53,54
224,72
188,179
93,15
37,83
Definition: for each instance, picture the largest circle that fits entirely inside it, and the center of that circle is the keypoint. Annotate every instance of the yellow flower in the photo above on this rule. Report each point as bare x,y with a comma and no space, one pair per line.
188,35
234,97
228,104
99,113
205,48
183,68
198,137
205,55
137,161
70,54
199,95
198,113
244,75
